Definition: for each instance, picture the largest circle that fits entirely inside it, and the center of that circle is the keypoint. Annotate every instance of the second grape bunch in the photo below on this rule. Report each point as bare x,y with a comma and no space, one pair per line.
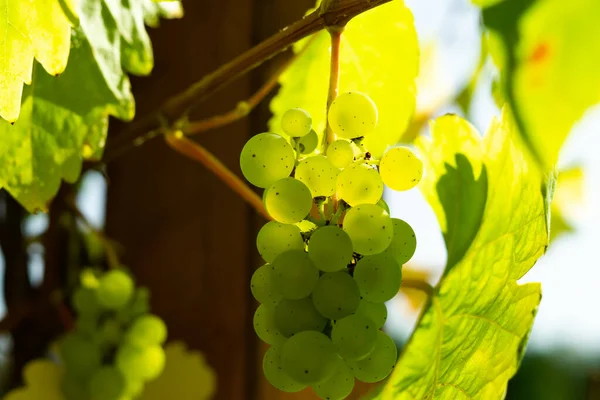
333,254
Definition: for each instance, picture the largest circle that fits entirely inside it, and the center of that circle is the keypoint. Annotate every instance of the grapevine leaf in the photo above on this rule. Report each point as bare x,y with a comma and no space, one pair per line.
42,381
30,28
569,194
548,56
379,56
186,376
473,331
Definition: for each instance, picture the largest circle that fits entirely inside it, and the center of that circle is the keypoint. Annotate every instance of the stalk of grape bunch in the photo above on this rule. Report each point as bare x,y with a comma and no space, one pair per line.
333,254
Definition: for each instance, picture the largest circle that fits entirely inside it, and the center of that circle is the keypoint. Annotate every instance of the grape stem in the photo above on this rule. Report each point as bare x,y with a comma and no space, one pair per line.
334,78
193,150
418,284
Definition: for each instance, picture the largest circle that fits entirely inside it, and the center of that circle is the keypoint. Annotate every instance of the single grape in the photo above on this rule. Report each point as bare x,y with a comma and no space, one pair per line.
339,386
87,324
382,203
378,277
107,383
265,327
376,312
336,295
340,153
147,330
73,387
307,144
293,316
352,115
88,278
370,228
379,363
330,248
140,303
115,289
275,374
295,275
318,174
140,363
296,122
359,184
109,334
80,355
263,286
85,301
404,242
288,201
309,357
266,158
275,238
133,388
401,169
354,336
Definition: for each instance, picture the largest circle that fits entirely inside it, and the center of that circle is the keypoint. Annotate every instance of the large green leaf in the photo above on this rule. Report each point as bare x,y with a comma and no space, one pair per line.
65,118
473,331
549,60
379,56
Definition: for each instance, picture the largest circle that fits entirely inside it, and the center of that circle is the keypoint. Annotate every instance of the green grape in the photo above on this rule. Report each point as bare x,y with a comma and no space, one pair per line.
288,201
263,286
275,238
318,174
140,363
134,388
295,275
309,357
110,333
352,115
354,336
401,169
80,355
377,365
307,144
382,203
275,374
370,228
376,312
293,316
74,388
107,383
340,153
378,277
296,122
339,386
115,289
404,242
265,326
147,330
330,248
336,295
88,278
359,184
140,303
266,158
87,324
85,301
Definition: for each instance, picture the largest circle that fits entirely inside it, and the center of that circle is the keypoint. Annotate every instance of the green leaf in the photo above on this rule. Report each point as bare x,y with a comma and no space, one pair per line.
30,28
379,56
473,331
549,57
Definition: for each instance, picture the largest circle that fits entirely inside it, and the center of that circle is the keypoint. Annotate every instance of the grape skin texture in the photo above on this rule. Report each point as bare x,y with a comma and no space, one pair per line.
340,153
275,238
295,275
352,115
293,316
115,289
307,144
377,312
330,248
336,295
265,327
378,277
370,228
288,201
107,383
354,336
309,357
359,184
275,374
296,122
379,364
263,286
404,242
266,158
401,169
339,386
318,174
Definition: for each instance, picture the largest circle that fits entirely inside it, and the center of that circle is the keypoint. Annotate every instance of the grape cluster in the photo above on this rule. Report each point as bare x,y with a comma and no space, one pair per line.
333,253
116,345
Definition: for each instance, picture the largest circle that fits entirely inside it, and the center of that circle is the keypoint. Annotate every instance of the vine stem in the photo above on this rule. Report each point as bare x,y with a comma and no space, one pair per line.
334,77
193,150
337,14
418,284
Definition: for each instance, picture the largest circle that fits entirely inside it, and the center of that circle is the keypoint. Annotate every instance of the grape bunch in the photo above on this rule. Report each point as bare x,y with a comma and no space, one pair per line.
116,346
333,254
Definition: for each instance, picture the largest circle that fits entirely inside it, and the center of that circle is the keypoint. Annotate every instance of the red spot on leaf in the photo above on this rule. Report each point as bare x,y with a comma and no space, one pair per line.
541,53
